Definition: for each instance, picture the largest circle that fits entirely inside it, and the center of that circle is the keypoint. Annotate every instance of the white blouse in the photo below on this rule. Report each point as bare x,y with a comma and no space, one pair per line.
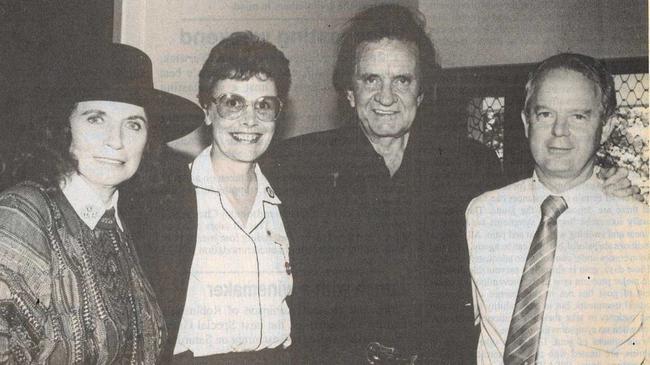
240,276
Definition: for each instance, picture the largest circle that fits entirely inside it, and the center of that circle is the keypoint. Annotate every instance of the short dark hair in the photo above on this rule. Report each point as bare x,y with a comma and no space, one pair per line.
46,157
375,23
241,56
589,67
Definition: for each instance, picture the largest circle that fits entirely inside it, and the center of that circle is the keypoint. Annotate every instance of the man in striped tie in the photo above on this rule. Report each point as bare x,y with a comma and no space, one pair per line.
560,270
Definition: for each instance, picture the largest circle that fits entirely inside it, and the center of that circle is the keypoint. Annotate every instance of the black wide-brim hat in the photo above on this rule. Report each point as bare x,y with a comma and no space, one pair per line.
118,72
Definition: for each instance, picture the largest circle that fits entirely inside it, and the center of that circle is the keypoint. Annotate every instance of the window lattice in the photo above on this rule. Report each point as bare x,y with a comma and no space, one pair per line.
485,122
631,90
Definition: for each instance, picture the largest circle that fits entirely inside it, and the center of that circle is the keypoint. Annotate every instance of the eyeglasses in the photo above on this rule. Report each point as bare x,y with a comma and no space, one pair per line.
232,106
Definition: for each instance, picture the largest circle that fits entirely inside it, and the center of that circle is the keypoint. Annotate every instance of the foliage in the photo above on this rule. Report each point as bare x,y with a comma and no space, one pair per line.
493,133
628,147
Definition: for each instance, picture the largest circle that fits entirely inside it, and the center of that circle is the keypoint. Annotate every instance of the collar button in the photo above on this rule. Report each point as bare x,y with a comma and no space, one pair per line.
270,192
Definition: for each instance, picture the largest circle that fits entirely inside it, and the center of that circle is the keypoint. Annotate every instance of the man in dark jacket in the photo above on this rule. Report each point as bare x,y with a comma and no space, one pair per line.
375,210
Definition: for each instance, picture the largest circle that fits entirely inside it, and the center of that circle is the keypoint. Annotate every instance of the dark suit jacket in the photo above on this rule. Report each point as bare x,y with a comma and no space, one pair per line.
162,221
374,257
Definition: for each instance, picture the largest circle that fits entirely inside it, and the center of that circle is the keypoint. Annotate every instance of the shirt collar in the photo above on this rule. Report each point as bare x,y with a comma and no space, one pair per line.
583,195
358,157
203,177
86,202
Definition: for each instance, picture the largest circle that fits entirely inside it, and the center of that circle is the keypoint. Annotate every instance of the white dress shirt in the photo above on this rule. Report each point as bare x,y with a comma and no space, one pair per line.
240,276
86,201
598,296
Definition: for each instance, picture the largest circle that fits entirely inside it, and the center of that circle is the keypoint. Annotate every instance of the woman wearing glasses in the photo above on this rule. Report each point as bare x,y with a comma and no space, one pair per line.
223,281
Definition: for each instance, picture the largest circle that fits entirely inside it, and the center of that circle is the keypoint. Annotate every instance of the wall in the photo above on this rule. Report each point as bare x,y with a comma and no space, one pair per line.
492,32
178,35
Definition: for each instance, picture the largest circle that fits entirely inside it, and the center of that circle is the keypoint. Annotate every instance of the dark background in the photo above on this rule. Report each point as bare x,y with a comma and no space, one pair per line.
29,31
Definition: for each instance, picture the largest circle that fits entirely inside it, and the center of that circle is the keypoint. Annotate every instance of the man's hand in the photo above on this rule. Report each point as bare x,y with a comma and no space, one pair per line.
616,183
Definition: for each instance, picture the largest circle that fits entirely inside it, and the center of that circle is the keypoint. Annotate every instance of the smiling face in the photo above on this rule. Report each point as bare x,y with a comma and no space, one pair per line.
108,140
245,138
386,89
565,127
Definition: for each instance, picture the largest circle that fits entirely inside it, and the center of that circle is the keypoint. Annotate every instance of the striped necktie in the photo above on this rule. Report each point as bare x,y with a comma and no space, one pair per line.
522,342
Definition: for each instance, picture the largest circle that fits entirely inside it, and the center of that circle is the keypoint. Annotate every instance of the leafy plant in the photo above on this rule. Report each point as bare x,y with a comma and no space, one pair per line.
628,147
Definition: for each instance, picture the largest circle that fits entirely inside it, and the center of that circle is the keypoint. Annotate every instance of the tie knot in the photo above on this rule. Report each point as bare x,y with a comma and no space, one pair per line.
553,206
107,221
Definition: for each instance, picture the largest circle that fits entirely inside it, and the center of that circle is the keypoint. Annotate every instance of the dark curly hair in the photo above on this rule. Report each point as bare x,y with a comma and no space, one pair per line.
589,67
375,23
241,56
45,150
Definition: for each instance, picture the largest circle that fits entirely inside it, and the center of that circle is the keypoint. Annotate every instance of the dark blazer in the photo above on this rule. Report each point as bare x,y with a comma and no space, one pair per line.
379,258
162,221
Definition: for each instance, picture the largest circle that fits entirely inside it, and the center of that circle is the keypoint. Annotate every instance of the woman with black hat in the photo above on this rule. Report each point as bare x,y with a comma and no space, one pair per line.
71,287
